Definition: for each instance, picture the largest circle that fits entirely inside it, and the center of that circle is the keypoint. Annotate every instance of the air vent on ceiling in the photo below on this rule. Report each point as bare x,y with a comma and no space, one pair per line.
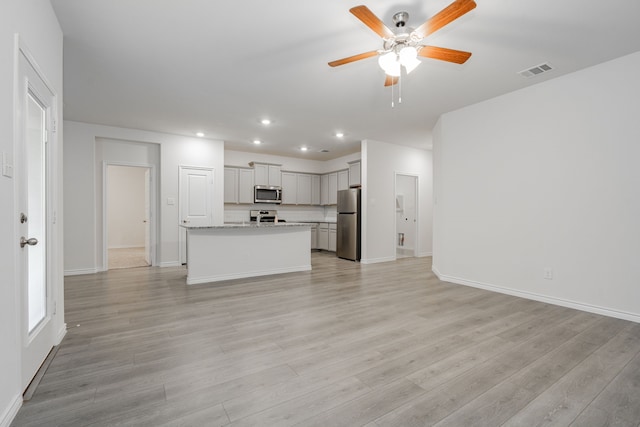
324,150
537,70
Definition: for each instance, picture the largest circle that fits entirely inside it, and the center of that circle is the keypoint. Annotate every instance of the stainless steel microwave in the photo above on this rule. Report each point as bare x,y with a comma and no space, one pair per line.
267,194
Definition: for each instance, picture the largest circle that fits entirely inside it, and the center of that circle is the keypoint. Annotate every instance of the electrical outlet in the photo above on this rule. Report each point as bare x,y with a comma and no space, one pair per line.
548,273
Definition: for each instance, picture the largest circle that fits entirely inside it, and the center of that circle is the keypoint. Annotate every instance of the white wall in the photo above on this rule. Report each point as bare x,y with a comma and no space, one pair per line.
83,196
546,177
38,29
125,207
380,163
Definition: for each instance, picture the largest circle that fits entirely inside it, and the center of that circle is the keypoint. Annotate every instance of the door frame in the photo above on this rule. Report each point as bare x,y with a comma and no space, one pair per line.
57,330
416,227
152,210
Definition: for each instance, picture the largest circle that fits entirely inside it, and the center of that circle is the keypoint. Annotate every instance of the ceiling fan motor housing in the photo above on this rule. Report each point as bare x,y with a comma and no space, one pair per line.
400,19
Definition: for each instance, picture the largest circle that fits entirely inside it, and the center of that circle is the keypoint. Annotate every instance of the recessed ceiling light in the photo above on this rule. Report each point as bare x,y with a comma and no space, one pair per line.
265,122
339,134
257,141
303,148
200,134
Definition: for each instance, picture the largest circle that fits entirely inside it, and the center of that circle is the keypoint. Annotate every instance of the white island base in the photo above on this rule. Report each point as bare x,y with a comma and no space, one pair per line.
235,251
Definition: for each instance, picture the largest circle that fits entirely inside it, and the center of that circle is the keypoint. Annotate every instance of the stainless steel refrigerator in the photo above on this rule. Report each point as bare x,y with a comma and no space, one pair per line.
348,224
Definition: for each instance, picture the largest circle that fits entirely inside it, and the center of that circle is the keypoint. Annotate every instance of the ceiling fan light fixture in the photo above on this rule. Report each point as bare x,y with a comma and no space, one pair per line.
389,63
408,57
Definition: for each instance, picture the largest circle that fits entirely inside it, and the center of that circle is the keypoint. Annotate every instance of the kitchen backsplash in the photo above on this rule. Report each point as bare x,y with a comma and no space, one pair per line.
288,213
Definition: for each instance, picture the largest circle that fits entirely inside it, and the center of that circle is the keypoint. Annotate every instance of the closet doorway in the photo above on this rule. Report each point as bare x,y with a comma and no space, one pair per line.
406,215
128,216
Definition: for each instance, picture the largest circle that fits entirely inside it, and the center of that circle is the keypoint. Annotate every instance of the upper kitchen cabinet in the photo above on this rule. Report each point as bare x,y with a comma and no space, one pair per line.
330,183
324,189
267,174
230,185
289,188
315,189
343,180
298,189
354,174
238,185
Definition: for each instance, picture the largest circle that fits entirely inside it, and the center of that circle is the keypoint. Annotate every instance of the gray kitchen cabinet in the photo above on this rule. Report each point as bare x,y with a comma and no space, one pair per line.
343,180
245,185
315,189
230,185
332,237
297,188
354,173
324,189
289,188
303,192
267,174
238,185
323,236
333,188
314,236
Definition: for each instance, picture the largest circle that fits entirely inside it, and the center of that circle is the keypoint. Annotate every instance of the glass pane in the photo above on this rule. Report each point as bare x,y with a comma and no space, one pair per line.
35,152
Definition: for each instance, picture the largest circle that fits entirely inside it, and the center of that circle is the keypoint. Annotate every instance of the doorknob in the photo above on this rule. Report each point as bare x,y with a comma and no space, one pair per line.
31,242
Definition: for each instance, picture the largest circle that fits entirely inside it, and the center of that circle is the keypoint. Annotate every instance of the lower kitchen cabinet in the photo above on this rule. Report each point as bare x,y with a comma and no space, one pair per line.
326,239
333,230
323,236
314,236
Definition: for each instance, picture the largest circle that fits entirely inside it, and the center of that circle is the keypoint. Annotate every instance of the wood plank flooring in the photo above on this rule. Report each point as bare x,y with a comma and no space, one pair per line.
342,345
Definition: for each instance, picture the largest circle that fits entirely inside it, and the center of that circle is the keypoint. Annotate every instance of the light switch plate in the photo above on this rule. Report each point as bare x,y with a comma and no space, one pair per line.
7,169
171,201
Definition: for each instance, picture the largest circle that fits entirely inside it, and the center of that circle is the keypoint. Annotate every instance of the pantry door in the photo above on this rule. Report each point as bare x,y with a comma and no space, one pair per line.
36,125
196,201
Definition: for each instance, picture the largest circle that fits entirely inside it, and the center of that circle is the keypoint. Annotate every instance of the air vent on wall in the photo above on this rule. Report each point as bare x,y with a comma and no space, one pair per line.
537,70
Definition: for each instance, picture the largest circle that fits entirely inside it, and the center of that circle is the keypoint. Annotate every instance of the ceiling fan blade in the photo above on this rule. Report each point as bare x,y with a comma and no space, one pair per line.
444,54
353,58
450,13
372,21
389,80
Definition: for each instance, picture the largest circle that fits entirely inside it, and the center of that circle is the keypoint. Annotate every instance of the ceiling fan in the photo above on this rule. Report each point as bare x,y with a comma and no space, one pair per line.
402,46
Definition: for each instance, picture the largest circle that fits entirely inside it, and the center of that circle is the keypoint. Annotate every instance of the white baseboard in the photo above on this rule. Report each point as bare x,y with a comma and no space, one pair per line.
425,254
11,411
80,271
377,260
169,264
141,246
539,297
61,333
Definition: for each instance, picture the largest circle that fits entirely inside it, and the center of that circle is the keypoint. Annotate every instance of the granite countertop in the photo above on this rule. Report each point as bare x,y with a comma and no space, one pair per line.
333,221
246,225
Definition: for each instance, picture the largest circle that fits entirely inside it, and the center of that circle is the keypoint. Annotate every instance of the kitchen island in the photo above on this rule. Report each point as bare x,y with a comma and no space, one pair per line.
235,251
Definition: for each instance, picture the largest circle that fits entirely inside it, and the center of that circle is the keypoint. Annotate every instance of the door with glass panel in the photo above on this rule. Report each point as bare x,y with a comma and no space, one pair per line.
34,112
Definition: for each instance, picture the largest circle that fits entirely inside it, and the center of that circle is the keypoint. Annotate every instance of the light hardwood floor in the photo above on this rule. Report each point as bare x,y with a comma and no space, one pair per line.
343,345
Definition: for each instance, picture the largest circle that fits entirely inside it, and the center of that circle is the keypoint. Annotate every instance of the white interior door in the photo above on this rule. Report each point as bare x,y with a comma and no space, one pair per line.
196,201
35,111
196,196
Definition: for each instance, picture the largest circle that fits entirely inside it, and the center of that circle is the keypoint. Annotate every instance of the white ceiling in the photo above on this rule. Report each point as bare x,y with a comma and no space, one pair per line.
219,67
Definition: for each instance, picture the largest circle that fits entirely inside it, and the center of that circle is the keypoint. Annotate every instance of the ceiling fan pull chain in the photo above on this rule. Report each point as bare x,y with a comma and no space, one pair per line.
392,104
400,87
